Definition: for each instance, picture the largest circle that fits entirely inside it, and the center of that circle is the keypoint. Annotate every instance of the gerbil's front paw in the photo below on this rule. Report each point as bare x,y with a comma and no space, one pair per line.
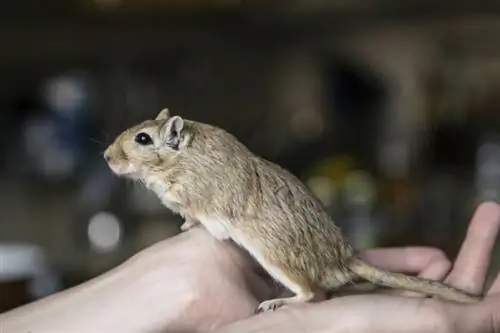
188,224
185,226
270,305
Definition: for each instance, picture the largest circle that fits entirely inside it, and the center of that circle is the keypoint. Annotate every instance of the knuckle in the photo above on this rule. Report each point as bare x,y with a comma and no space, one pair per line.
441,258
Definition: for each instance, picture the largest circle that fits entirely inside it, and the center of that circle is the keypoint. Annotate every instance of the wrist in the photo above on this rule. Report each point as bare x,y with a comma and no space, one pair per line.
146,293
128,298
153,292
163,287
177,277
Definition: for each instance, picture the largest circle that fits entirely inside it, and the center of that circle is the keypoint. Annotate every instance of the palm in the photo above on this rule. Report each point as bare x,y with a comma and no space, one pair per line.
237,299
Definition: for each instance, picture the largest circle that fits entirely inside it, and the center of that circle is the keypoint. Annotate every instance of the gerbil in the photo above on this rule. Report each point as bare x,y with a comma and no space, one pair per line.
206,175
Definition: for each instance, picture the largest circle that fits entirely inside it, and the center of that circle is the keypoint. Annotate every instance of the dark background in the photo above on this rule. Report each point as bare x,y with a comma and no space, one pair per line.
387,109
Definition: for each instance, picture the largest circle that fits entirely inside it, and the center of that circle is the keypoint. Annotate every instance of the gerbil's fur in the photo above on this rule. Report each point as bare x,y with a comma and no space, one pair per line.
205,174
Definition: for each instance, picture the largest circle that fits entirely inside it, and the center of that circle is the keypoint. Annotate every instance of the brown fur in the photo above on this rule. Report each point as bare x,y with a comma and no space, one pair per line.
213,179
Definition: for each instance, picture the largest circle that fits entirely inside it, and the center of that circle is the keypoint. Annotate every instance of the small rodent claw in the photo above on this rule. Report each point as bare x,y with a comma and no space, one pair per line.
271,305
188,224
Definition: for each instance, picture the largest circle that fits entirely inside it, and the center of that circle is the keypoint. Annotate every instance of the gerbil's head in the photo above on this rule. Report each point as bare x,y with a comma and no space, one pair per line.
151,146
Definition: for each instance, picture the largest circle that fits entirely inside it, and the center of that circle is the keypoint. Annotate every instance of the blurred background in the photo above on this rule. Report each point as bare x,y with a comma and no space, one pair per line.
388,110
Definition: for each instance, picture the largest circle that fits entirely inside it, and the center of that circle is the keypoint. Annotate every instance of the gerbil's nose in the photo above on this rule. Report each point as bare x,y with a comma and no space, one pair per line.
106,155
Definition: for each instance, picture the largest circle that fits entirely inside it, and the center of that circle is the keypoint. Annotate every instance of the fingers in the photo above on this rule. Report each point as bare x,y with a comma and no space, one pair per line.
470,268
427,262
346,314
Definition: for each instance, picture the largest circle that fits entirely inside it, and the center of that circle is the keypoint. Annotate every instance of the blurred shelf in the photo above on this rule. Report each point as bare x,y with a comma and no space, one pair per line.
305,12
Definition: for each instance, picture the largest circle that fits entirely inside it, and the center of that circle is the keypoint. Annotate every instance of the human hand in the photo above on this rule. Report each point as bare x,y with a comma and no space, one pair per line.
192,283
223,285
183,284
392,313
226,287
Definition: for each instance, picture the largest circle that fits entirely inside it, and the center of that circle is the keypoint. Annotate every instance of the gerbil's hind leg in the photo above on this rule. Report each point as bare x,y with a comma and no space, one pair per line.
273,304
302,291
335,280
189,223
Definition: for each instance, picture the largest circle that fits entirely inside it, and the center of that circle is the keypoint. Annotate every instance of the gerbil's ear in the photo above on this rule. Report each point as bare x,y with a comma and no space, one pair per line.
164,114
173,132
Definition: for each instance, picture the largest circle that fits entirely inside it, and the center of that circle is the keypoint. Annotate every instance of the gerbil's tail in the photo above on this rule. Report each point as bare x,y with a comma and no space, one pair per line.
384,278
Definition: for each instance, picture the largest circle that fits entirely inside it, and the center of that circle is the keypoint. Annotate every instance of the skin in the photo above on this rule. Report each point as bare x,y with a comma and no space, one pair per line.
205,174
392,312
193,283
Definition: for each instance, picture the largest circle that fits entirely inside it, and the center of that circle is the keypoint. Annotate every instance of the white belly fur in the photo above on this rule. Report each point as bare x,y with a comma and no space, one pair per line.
217,227
221,229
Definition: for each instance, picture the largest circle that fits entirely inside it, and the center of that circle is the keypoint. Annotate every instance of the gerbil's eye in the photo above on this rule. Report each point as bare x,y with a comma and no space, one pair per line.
143,139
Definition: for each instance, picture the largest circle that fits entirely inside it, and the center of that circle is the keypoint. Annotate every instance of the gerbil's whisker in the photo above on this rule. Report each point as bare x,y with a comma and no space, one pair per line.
96,141
105,134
